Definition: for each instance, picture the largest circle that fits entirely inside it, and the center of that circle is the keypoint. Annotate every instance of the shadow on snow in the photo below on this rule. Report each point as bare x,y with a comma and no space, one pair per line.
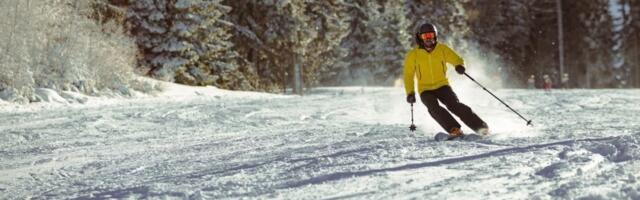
507,151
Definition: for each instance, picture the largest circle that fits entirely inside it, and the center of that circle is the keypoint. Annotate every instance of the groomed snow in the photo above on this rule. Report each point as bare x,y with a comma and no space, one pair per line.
334,143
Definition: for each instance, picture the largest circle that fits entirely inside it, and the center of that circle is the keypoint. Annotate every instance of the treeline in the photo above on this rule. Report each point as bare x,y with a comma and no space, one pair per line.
258,45
600,37
262,45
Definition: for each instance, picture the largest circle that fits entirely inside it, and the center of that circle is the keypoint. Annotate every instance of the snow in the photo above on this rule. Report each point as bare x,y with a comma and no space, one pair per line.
183,4
48,95
615,10
6,94
333,143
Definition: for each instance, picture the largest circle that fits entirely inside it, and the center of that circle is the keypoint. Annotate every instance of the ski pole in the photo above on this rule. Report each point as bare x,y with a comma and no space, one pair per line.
485,89
413,126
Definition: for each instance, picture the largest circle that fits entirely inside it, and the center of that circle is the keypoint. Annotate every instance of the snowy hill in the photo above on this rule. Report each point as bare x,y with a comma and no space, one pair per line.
335,143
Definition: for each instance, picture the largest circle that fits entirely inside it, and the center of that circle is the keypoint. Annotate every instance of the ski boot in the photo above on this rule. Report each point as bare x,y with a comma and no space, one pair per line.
455,133
483,131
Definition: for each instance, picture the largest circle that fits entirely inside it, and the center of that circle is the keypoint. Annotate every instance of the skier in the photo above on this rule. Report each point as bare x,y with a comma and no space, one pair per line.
531,82
427,62
565,81
547,84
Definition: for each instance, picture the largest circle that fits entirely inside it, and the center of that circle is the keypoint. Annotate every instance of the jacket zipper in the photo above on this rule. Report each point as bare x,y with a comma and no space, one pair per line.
430,66
415,65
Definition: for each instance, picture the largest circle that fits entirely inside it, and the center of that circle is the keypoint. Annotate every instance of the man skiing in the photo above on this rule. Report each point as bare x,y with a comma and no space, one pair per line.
427,63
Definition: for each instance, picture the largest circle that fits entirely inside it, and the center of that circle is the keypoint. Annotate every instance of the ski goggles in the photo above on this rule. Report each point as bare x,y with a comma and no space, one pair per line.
428,36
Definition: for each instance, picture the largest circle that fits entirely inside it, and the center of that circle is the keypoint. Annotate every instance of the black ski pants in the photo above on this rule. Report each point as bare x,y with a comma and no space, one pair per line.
446,95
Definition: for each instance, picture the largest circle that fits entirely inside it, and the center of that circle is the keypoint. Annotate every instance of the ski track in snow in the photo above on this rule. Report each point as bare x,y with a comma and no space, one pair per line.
336,143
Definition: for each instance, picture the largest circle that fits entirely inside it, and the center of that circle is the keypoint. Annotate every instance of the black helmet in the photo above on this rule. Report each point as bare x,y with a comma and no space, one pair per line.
426,28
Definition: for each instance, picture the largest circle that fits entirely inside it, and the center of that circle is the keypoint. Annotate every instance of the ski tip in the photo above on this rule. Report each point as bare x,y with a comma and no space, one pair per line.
441,136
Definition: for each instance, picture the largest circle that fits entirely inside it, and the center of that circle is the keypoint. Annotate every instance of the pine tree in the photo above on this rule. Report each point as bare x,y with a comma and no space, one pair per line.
391,40
376,41
632,38
184,41
353,44
264,39
273,37
330,20
620,12
508,29
590,50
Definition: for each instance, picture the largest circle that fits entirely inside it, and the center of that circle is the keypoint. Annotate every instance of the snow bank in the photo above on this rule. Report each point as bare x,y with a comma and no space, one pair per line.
146,89
586,157
74,97
48,95
178,91
11,95
621,149
572,163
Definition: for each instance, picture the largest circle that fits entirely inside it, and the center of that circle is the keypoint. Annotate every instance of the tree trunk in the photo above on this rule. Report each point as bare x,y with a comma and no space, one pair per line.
587,76
560,37
297,73
284,74
636,66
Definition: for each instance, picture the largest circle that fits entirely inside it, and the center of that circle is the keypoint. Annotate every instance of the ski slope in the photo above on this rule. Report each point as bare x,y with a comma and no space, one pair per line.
334,143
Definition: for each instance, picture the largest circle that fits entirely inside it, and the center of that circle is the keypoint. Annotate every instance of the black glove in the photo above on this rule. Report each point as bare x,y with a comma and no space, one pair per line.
411,98
460,69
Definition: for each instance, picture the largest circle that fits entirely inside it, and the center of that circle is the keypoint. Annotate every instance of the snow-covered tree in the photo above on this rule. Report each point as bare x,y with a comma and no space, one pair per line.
385,39
376,42
323,53
265,34
509,29
275,36
619,15
185,41
346,72
590,52
54,44
393,40
631,35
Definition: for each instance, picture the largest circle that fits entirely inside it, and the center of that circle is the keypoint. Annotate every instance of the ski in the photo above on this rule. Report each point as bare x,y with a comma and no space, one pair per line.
441,136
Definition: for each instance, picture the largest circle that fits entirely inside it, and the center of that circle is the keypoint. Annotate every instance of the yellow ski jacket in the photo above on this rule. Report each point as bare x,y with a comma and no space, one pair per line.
430,69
